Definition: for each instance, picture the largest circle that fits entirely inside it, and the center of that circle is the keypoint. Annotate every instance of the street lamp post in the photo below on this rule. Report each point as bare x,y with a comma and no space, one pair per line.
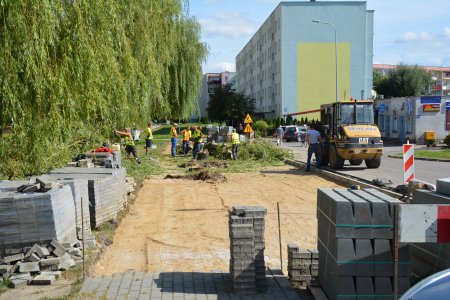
335,51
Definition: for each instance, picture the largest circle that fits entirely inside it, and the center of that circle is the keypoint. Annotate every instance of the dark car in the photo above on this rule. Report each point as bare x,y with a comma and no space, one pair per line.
294,133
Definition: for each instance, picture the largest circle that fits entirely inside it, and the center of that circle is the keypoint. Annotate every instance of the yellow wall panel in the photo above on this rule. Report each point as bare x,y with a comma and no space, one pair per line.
316,75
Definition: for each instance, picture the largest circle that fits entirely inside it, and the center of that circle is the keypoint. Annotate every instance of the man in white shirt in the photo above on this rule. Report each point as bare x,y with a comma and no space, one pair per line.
280,136
313,139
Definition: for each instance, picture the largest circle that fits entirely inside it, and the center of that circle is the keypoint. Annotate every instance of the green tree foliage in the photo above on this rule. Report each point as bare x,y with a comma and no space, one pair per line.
261,127
226,105
72,71
403,81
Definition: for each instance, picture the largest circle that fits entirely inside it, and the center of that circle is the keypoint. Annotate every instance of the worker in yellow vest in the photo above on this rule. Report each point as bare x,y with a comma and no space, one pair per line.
235,144
186,139
197,136
148,138
174,134
129,143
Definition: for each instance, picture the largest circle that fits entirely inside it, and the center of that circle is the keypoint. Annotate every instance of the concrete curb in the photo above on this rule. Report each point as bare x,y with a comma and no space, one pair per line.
422,158
338,178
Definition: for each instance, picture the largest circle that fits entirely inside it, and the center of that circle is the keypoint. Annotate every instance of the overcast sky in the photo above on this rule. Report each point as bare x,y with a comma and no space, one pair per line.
409,31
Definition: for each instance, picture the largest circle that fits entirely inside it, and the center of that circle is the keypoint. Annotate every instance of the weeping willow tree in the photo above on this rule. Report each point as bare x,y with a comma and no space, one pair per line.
73,70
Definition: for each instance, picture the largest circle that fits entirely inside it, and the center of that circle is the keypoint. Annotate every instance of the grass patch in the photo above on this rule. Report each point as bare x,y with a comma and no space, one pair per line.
436,154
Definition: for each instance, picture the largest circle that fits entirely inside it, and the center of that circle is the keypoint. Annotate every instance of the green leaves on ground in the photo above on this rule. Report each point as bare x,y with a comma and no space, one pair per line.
72,71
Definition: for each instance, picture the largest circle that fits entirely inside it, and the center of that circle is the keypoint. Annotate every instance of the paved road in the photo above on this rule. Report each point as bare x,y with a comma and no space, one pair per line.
391,168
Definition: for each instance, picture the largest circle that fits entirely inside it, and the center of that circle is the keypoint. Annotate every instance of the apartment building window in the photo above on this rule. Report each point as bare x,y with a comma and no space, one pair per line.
273,36
395,122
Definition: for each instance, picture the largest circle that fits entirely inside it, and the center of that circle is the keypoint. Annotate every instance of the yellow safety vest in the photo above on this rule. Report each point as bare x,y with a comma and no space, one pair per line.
174,132
128,141
197,136
148,131
187,134
235,138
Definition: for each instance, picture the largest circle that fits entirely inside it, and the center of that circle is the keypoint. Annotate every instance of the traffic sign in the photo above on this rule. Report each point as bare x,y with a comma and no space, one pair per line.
248,120
248,129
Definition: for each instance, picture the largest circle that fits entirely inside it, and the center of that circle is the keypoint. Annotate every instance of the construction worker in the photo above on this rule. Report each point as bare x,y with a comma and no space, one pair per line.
174,139
313,139
129,143
235,144
186,138
148,138
197,136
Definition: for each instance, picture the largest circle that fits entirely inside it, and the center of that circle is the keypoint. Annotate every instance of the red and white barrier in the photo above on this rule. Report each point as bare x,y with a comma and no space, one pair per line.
424,223
408,162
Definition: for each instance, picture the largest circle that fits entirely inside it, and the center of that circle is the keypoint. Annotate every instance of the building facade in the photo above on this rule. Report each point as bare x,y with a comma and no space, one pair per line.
409,117
210,82
440,77
289,64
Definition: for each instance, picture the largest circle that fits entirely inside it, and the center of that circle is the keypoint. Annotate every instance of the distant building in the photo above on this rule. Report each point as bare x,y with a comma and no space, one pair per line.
289,64
409,117
440,76
210,82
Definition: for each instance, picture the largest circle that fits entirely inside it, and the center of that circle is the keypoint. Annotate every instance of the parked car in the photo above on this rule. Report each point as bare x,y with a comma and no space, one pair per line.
294,133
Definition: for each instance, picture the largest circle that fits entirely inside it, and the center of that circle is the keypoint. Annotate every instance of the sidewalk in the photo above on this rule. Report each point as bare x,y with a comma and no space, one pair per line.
178,285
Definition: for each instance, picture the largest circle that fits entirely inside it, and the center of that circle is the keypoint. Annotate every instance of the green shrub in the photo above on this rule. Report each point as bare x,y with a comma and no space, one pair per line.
447,140
261,127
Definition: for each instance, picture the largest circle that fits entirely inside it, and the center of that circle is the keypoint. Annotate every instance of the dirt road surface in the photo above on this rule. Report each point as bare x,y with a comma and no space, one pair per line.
178,224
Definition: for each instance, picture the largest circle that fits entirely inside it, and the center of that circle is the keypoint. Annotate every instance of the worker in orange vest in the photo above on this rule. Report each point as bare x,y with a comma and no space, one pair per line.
186,139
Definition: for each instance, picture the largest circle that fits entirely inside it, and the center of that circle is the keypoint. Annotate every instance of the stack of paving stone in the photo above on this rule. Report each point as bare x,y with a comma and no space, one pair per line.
247,266
40,264
303,265
107,190
34,217
429,258
355,241
80,193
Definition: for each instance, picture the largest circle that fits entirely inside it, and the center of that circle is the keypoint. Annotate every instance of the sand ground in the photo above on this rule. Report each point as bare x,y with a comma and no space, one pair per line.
178,224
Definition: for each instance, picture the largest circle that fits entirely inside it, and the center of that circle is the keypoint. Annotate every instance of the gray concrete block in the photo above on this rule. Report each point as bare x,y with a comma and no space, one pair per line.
34,258
58,250
31,251
443,186
364,286
429,197
29,267
362,214
43,279
42,252
4,269
76,252
49,262
18,283
13,258
364,257
57,274
383,258
383,285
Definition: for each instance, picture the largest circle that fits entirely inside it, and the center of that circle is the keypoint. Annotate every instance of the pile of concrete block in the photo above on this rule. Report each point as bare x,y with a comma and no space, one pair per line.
34,217
303,265
40,265
39,184
247,266
355,241
105,159
107,190
430,258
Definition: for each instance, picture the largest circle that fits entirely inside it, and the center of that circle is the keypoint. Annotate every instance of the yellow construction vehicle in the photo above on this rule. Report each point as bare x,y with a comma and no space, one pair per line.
350,134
